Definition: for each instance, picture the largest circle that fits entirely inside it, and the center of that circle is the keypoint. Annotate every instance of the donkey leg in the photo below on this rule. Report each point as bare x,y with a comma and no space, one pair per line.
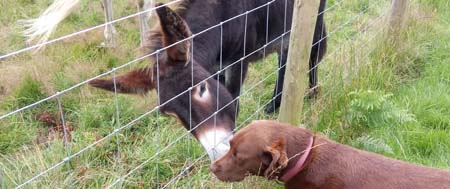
234,79
110,30
316,56
144,18
313,87
318,51
276,98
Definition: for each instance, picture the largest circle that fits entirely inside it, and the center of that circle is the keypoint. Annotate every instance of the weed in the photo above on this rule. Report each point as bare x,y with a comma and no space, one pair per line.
376,97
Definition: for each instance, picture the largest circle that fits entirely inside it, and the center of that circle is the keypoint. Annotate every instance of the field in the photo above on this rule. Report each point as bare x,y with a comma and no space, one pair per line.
390,99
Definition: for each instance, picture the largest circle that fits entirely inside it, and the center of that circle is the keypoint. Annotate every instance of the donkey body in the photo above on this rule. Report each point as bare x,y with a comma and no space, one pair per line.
183,74
220,46
223,46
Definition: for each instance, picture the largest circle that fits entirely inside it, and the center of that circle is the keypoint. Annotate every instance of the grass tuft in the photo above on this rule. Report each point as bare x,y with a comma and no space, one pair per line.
392,100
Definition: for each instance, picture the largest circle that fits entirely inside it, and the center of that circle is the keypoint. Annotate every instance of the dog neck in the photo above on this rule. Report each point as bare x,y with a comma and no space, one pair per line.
299,165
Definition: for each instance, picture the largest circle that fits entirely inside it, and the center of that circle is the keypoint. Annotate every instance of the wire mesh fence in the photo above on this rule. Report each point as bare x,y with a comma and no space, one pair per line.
100,140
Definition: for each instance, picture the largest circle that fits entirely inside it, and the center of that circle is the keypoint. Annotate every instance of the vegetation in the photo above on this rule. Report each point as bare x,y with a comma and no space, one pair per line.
392,100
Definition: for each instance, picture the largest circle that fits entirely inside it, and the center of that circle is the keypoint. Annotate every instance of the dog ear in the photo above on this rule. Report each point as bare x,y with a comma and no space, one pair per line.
174,29
275,157
138,81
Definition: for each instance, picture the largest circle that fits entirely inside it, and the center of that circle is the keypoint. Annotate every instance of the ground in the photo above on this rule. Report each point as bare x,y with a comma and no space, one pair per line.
390,99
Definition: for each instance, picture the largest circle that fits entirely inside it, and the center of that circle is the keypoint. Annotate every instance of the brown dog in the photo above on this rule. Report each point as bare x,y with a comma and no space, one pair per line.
301,159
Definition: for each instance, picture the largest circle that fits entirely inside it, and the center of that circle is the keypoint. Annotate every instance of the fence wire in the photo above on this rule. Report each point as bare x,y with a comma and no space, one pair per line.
121,171
339,50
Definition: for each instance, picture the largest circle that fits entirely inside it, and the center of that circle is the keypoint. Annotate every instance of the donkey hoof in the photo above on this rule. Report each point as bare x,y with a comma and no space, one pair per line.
106,44
313,92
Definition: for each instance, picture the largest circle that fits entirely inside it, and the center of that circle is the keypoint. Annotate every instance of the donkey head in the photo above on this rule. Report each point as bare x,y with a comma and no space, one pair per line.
185,89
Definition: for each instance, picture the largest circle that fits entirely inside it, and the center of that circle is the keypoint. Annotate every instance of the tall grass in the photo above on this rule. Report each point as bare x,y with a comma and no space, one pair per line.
392,101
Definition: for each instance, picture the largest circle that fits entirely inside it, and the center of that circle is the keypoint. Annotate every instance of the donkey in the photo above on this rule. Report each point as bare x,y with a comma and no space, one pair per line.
224,46
220,46
40,29
171,77
213,50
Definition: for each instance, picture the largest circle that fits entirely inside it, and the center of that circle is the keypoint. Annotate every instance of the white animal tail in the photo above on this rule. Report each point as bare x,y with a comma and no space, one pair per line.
41,28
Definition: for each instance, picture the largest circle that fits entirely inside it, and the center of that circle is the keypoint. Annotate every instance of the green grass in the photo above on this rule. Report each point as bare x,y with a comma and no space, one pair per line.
390,100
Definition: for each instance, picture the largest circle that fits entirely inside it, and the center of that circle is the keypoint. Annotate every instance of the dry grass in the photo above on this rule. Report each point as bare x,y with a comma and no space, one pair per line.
362,62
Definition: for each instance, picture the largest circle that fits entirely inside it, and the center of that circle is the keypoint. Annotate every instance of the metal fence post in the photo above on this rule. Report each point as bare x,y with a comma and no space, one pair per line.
302,31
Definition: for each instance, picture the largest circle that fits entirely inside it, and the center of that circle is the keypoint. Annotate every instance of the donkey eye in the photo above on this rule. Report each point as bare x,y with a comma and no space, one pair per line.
201,93
202,89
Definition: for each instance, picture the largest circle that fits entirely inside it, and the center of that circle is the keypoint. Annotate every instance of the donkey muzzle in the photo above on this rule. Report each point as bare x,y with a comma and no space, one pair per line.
216,142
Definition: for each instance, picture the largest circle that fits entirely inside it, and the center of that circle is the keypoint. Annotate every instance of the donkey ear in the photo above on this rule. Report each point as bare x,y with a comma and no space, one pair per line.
275,157
138,81
174,29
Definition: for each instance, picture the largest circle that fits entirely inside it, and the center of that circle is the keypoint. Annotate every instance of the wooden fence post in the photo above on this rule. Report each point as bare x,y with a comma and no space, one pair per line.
397,16
302,31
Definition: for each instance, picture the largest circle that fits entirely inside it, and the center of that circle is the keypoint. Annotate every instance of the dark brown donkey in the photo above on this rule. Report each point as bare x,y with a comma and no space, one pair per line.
268,21
173,72
301,159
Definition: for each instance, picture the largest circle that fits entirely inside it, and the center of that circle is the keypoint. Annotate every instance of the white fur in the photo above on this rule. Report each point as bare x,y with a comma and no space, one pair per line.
216,142
206,96
41,28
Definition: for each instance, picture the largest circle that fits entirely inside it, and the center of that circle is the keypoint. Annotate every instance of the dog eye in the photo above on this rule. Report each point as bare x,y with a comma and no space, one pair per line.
238,156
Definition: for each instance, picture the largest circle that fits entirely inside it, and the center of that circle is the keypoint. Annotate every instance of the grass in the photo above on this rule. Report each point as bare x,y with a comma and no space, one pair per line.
390,100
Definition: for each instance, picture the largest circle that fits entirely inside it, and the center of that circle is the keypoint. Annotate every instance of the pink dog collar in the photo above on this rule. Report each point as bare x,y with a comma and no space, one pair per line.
299,165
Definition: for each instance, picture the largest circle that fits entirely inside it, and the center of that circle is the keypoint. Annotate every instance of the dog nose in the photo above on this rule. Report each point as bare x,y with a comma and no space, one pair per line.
214,168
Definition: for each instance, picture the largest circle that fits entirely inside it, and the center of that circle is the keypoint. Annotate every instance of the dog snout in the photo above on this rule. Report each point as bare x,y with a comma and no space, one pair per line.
214,168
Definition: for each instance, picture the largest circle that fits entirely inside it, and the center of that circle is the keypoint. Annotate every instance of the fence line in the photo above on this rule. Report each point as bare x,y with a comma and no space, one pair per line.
354,37
304,24
119,127
144,56
189,131
37,46
338,49
137,60
146,114
257,111
65,132
116,102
